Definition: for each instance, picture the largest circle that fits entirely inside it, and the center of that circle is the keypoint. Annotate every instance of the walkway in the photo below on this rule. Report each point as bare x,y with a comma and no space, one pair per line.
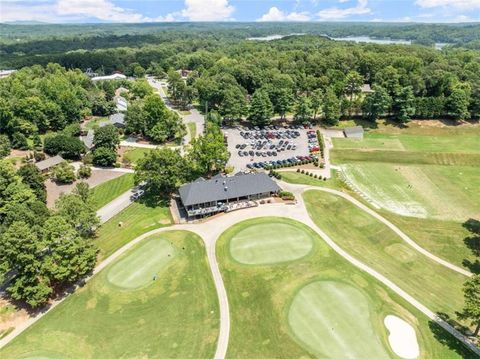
211,230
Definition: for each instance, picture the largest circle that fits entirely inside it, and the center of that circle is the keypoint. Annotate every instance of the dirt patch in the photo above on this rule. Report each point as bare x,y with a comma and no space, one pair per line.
54,190
13,317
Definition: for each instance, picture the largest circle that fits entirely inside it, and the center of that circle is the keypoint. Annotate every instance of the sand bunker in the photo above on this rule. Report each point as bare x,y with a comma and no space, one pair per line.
402,338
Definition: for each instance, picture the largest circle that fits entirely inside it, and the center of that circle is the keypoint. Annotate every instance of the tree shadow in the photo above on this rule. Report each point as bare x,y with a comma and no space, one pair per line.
448,340
473,243
395,123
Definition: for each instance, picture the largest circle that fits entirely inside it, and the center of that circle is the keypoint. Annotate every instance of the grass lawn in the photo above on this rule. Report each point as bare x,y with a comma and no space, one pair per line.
136,219
441,237
373,243
175,316
192,129
439,192
108,191
276,310
134,154
95,123
418,145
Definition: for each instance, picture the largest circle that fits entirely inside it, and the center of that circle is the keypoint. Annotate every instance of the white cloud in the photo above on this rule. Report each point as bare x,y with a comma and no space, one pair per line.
275,14
71,10
335,13
207,10
460,4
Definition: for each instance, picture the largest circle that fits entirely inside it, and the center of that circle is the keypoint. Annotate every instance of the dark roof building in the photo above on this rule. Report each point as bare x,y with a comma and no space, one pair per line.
353,132
214,195
117,119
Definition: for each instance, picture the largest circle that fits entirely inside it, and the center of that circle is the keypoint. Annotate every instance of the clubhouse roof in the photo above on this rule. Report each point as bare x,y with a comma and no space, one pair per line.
226,189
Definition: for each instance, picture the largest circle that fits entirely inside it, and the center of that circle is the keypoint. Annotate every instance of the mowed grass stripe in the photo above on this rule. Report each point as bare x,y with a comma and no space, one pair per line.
373,243
268,243
340,156
333,320
140,265
440,192
108,191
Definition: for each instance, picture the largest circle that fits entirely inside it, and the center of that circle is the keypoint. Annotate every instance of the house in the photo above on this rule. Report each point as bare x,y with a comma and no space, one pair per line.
6,73
353,132
110,77
365,88
221,193
117,119
121,104
88,139
45,165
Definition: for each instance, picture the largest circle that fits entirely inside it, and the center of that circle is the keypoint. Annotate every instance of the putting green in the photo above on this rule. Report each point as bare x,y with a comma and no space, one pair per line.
139,267
333,320
268,242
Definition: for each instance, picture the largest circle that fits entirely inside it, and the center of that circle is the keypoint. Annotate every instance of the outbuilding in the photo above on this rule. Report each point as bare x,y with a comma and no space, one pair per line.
221,193
45,165
353,132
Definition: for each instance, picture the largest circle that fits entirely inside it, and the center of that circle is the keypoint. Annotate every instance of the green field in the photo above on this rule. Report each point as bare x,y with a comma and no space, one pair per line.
441,237
108,191
270,320
261,244
175,316
439,192
373,243
135,220
412,145
133,155
327,315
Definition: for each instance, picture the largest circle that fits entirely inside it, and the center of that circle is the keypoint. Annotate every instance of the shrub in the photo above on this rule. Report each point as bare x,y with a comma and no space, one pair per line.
298,169
66,146
84,171
289,196
324,178
303,171
19,141
311,174
104,157
39,156
5,146
315,176
322,165
63,173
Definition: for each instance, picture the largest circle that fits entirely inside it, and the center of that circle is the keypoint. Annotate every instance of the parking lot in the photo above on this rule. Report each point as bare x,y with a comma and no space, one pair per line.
255,148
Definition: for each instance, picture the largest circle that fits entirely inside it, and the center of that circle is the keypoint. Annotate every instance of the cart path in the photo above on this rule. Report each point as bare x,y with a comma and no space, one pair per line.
211,230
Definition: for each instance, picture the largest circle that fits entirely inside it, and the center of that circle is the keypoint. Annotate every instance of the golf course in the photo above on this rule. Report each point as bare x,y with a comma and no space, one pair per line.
157,301
279,306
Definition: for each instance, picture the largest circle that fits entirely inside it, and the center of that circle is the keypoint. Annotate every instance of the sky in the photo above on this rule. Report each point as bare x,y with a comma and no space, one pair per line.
90,11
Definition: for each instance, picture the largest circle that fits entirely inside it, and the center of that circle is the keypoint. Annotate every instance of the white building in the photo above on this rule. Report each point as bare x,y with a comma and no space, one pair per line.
110,77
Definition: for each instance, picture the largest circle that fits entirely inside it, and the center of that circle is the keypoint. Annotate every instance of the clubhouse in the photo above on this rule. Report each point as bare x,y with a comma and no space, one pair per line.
203,198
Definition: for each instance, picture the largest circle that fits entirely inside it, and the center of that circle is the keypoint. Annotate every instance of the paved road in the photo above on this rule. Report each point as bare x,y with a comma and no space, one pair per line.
210,231
194,116
116,206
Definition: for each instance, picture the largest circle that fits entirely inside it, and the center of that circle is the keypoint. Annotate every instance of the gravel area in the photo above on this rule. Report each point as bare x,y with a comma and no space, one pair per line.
98,177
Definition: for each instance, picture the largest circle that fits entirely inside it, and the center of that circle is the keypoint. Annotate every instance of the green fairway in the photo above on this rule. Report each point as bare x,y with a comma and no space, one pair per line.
266,313
176,316
333,319
440,192
373,243
141,265
261,244
135,220
441,237
450,145
108,191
